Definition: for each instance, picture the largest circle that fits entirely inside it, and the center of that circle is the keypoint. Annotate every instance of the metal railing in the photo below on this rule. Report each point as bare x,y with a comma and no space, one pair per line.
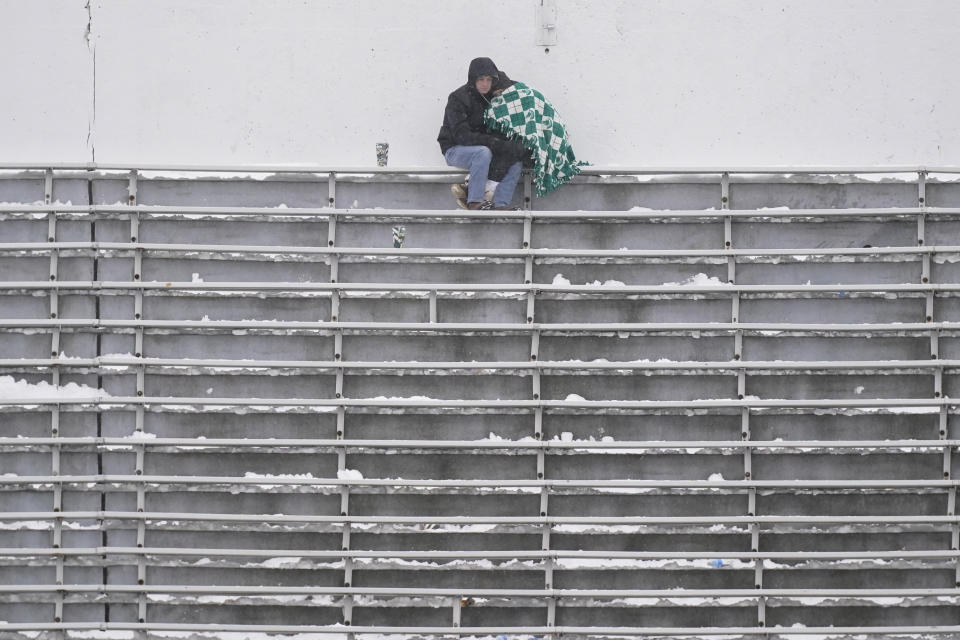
926,506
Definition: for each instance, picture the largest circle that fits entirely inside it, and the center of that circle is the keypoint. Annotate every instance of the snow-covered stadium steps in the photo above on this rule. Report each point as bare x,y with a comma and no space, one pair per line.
538,356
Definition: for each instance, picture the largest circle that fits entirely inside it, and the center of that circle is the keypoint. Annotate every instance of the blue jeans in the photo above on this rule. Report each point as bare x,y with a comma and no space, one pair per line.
476,159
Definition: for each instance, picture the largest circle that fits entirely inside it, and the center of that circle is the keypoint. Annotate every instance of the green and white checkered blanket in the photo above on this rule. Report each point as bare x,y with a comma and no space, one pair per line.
523,114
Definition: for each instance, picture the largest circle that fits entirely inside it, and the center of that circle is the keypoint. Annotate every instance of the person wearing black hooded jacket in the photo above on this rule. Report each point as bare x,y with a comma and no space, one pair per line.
466,142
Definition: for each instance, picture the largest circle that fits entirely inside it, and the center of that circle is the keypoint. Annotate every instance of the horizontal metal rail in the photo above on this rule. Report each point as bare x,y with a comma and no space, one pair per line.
466,554
148,211
158,248
155,403
476,631
172,365
421,288
578,631
262,590
539,521
506,327
296,481
493,445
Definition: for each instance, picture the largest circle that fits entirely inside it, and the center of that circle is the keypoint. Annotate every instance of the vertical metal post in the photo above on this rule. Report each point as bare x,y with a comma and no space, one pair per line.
141,501
138,293
922,188
745,434
528,191
951,494
531,293
534,355
54,294
937,389
138,264
55,415
140,450
347,578
139,468
735,315
333,258
48,186
55,462
137,276
341,421
335,315
54,275
528,269
954,532
335,300
332,189
921,241
727,223
944,433
344,512
922,227
132,187
345,489
332,230
57,541
457,607
548,561
728,244
338,383
947,456
541,458
334,306
748,475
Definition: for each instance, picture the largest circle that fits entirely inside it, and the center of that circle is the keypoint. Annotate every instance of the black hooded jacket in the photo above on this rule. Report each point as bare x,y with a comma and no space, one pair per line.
463,117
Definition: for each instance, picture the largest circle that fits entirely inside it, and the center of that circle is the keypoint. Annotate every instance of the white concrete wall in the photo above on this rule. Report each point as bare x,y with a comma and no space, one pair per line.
649,83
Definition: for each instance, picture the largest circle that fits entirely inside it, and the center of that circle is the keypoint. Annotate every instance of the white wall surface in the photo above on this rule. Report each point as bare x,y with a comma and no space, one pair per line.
640,82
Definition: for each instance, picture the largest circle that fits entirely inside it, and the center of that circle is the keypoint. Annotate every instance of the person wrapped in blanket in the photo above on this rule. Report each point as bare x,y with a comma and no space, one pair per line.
494,126
494,162
523,114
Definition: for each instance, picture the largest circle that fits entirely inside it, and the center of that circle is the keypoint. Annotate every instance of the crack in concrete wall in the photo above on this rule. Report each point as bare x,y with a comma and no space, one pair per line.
91,47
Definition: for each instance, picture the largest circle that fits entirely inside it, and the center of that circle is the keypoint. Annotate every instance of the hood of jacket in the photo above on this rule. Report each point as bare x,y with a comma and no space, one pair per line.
481,67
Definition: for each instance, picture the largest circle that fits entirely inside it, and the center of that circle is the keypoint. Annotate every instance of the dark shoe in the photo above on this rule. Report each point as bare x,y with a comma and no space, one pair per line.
473,206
